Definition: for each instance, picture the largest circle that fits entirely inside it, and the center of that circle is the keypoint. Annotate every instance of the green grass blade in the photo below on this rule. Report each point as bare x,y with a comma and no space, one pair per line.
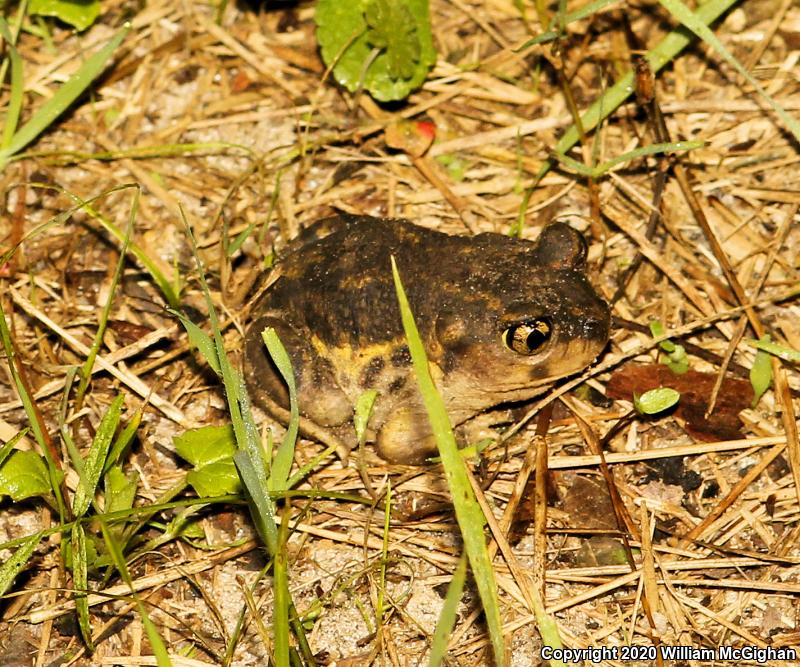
86,371
13,566
142,257
447,618
17,86
95,460
280,612
581,13
54,473
282,463
468,513
8,447
782,351
157,644
683,14
200,340
249,460
664,52
124,439
80,580
643,151
64,97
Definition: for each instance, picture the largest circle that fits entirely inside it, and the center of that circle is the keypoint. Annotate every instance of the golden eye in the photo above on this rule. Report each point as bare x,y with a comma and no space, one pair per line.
527,337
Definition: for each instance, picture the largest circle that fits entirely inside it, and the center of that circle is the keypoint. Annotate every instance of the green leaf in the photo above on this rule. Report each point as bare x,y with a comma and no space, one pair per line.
656,400
17,85
202,341
80,14
209,444
95,460
643,151
391,27
24,475
677,360
468,513
784,352
215,479
447,617
675,357
156,643
656,328
124,439
120,490
761,370
389,63
363,412
12,566
80,580
282,463
210,450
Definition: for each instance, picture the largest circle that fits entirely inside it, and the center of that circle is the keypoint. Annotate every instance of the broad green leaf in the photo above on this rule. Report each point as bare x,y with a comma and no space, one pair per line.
24,475
677,360
205,445
656,328
80,14
656,400
468,513
387,63
215,479
761,370
95,460
210,450
392,28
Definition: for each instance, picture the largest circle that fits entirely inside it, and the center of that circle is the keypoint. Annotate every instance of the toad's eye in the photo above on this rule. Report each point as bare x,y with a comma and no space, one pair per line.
528,337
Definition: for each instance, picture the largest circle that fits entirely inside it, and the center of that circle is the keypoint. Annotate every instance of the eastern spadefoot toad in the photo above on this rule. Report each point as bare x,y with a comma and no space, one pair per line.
501,319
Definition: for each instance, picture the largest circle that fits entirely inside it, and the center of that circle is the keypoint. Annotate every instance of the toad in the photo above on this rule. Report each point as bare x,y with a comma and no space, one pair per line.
501,319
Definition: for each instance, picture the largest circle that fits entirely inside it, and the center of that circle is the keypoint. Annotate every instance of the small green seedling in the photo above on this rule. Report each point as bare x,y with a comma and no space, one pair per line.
674,356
